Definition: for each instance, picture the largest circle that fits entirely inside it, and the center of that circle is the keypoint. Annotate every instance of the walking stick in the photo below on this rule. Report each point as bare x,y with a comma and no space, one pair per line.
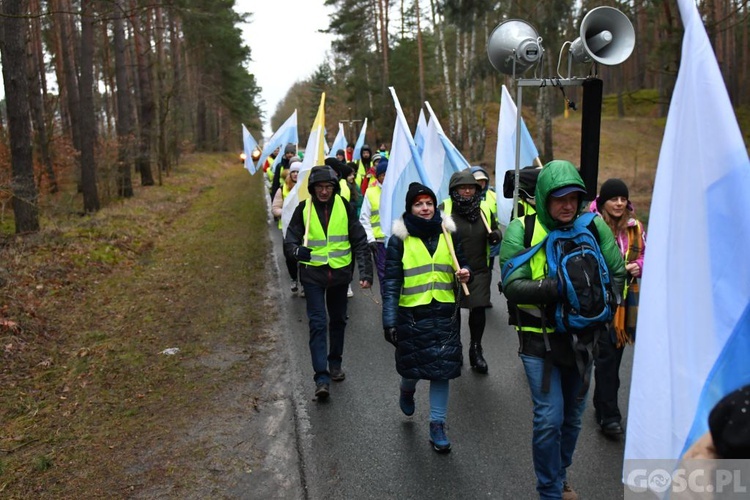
452,251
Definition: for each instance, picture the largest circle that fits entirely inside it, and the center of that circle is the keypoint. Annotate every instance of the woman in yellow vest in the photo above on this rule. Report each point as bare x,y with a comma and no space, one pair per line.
277,207
465,204
419,306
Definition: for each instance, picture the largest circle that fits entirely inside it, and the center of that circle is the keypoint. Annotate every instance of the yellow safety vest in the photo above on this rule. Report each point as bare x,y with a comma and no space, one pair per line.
483,206
334,248
345,191
373,194
538,265
491,200
426,277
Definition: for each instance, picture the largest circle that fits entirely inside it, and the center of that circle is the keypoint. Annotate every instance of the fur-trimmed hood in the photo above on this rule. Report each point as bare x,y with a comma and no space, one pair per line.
399,230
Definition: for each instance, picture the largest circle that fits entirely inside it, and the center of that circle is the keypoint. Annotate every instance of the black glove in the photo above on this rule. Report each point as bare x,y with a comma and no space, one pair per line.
494,238
303,254
390,335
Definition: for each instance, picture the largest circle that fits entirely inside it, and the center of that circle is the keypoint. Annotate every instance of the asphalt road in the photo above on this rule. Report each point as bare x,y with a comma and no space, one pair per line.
359,444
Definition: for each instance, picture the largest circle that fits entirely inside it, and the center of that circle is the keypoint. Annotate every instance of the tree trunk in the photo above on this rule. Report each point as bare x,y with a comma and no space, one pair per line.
124,122
87,118
146,113
442,56
420,55
164,95
69,70
35,68
13,50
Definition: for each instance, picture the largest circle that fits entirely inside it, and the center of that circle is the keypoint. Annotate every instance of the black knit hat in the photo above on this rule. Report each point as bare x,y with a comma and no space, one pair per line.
417,189
729,422
613,188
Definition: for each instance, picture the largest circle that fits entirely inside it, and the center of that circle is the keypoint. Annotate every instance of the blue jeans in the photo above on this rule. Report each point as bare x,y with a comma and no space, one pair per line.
319,300
557,422
438,396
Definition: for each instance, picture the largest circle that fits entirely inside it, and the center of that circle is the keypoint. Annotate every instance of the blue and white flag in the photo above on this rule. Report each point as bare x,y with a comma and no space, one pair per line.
505,156
356,156
339,142
286,134
419,134
249,144
404,167
694,320
440,157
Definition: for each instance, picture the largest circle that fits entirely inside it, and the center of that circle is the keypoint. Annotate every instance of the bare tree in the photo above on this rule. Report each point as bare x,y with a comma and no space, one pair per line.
124,122
87,118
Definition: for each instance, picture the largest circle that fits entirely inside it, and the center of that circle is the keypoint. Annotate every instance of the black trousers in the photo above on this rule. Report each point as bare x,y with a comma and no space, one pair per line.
607,380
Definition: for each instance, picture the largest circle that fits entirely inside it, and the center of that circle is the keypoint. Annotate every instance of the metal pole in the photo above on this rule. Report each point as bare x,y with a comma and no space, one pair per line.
516,186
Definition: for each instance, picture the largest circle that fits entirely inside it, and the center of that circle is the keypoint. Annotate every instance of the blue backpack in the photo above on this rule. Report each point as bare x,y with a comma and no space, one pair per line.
575,258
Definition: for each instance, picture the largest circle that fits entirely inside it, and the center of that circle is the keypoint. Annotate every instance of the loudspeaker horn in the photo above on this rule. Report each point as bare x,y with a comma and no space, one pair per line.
513,47
607,37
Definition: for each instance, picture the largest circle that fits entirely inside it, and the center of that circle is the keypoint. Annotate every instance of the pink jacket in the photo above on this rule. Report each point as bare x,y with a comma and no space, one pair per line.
623,239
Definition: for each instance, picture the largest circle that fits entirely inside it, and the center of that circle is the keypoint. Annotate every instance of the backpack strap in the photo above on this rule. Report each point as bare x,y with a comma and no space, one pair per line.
529,221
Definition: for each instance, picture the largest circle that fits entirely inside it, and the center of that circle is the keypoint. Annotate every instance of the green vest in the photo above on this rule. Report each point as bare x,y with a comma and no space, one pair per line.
531,314
373,194
333,249
284,192
426,277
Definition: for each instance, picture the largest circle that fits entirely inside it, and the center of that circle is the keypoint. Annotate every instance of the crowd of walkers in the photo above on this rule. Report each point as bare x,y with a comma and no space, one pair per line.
439,259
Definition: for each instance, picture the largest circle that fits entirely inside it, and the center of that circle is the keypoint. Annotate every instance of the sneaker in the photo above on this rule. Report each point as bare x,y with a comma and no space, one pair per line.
406,402
438,438
294,286
337,374
321,391
349,292
568,493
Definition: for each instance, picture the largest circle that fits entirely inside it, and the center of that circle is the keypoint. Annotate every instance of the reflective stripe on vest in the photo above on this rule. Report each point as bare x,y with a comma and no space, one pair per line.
335,249
373,194
531,314
426,277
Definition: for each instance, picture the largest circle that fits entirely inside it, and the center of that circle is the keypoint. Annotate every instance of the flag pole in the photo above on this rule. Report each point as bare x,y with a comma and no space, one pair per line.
449,242
538,162
484,219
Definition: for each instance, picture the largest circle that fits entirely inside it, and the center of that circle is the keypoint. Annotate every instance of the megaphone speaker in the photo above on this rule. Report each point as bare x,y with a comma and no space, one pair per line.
513,47
607,37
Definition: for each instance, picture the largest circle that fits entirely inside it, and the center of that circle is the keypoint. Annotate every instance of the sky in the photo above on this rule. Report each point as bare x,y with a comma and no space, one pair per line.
285,45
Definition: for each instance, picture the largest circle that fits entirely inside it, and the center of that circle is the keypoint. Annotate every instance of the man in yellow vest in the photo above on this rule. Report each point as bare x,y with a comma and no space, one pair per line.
322,234
369,216
556,367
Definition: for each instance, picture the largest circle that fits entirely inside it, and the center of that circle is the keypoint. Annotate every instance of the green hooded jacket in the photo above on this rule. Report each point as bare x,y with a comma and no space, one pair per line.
520,288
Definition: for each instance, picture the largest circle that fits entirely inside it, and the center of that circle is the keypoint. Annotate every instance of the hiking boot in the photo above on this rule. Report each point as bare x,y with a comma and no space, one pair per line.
438,438
476,360
406,402
349,292
612,429
294,286
337,374
568,493
321,391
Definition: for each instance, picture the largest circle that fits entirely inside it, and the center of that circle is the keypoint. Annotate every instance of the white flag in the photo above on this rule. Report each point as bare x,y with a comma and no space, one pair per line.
505,157
694,320
404,167
440,157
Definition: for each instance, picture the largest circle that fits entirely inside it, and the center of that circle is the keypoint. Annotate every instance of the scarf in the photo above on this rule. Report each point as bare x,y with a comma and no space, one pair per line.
468,208
423,228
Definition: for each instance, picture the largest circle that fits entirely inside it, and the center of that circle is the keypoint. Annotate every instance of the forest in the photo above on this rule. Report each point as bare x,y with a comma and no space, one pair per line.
102,94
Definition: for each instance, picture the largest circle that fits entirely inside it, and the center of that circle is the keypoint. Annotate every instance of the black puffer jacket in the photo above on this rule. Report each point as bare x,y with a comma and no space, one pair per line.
429,340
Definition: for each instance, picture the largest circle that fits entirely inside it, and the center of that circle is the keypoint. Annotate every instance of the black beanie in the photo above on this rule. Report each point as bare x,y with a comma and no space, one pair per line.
417,189
729,422
613,188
